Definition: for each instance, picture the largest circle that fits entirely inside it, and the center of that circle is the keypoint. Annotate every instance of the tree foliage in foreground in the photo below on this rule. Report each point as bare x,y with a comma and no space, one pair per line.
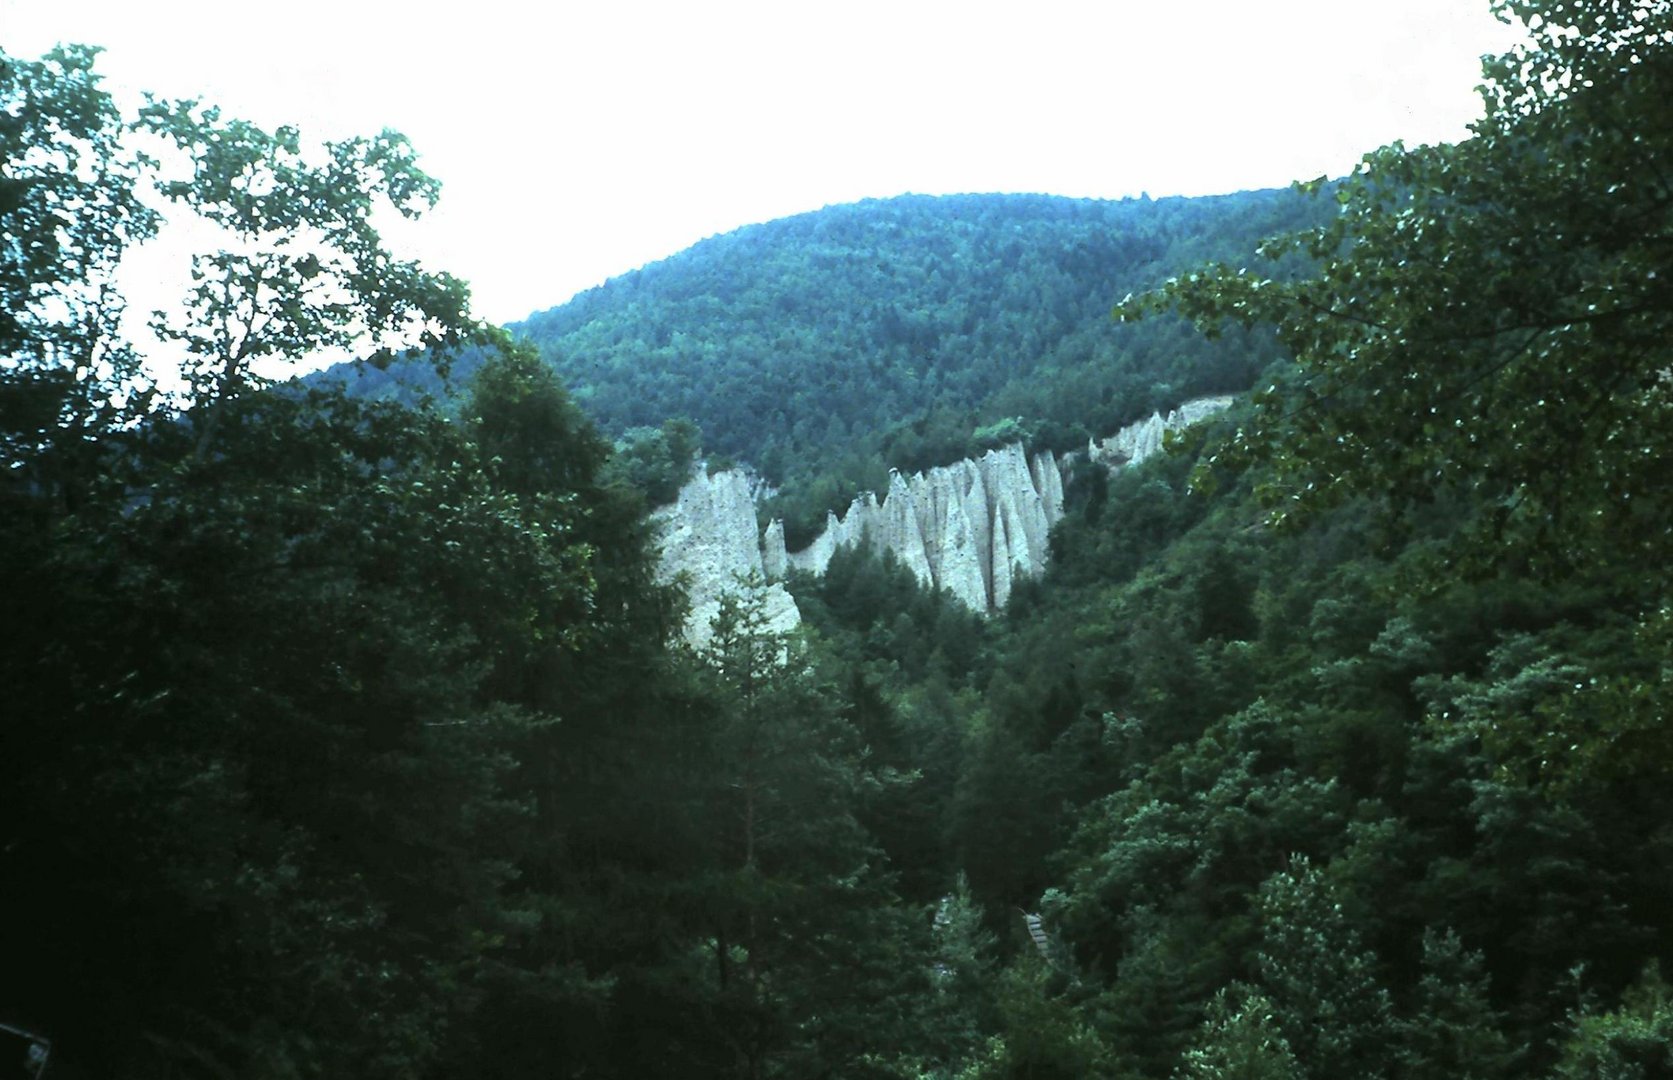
1391,799
254,820
274,657
1489,327
345,739
69,208
1490,318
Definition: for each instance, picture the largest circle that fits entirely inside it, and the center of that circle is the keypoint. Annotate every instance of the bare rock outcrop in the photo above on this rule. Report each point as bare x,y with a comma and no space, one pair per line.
709,540
970,528
1135,442
974,528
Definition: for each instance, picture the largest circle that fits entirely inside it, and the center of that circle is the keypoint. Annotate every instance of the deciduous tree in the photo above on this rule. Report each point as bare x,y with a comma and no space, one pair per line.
1490,317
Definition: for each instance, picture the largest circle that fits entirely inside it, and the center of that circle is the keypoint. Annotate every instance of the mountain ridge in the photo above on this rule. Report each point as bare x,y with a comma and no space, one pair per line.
828,347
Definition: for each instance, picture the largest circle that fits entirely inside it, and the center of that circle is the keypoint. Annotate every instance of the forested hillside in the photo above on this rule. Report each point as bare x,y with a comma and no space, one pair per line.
790,341
825,348
351,736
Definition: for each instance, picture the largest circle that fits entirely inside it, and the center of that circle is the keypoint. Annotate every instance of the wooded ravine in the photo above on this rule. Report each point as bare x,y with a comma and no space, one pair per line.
350,729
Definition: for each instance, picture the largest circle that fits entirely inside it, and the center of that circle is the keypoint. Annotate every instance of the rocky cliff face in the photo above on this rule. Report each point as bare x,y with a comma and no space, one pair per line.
1135,442
709,539
973,528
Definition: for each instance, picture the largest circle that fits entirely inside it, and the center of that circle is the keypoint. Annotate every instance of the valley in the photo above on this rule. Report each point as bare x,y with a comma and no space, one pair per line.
962,637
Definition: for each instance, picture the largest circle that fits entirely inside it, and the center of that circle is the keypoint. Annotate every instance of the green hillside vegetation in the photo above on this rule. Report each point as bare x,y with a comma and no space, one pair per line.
825,348
350,737
790,340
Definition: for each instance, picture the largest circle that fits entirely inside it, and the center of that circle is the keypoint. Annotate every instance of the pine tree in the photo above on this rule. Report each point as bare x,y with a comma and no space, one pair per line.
1240,1039
1454,1030
818,966
1321,980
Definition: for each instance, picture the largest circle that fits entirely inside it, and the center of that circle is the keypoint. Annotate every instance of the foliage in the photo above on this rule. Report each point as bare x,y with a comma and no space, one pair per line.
284,701
280,687
70,206
816,963
906,332
1633,1042
1331,1005
304,271
349,739
1458,624
1240,1040
656,461
1455,1030
1491,317
1042,1035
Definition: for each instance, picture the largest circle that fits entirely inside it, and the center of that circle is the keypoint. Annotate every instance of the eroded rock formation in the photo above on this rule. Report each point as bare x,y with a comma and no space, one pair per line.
1135,442
974,528
709,538
971,528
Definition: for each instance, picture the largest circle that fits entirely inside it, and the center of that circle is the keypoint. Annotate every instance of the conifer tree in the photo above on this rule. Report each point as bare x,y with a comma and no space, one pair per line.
819,967
1322,982
1240,1039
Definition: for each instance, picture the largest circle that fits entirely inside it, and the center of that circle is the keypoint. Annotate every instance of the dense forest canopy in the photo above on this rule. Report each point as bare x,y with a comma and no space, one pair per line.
825,348
349,737
790,340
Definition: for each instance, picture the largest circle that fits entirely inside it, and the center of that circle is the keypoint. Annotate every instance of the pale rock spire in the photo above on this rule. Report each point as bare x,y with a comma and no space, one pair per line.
1000,592
1048,481
977,504
973,528
899,532
775,561
961,559
709,541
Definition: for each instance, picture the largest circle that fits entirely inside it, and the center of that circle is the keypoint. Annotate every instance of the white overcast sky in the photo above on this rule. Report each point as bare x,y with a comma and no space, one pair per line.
578,141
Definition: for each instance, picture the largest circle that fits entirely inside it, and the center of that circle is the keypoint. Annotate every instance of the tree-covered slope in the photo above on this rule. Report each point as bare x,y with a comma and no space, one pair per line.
891,332
1337,744
809,331
351,740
